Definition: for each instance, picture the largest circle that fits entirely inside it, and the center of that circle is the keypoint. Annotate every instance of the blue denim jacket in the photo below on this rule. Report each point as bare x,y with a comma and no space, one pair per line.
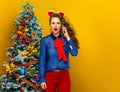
49,57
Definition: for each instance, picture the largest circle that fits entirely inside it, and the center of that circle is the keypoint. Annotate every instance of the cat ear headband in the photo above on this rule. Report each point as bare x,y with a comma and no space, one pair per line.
50,12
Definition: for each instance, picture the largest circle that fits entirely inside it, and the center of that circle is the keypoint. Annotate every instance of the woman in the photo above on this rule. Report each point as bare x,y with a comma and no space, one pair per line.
54,54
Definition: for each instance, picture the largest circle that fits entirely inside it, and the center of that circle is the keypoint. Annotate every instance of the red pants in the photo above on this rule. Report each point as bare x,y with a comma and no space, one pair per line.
58,81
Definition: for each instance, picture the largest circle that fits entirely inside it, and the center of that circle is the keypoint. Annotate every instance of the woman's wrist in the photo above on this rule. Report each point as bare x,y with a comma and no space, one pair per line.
68,38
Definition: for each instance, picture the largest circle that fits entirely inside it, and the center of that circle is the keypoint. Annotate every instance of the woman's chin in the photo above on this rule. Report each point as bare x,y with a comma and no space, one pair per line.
55,31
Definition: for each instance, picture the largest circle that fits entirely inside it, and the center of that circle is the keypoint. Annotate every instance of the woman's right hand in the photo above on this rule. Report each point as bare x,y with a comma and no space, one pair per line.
65,33
43,85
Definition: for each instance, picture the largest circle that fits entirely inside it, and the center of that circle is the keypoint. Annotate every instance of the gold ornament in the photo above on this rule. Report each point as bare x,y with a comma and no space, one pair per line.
30,50
9,67
26,30
31,71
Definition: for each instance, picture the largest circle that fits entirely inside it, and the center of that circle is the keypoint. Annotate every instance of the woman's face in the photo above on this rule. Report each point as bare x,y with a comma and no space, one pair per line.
55,25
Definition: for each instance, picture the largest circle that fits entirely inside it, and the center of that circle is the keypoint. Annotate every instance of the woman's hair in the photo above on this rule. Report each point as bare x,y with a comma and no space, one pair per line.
65,23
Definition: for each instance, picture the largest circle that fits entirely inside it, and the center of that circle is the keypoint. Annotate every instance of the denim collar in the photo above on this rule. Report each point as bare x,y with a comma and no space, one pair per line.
53,37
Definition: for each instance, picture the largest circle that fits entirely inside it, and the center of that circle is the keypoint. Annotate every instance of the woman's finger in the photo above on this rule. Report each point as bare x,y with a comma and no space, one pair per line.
43,85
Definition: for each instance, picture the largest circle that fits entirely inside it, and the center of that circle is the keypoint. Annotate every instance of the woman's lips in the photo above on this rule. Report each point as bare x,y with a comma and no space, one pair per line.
55,29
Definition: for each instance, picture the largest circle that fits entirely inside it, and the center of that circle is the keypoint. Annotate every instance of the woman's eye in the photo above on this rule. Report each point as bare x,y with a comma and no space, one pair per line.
58,23
53,23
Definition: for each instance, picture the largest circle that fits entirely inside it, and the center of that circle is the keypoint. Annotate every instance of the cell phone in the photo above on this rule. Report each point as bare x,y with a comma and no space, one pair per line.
63,31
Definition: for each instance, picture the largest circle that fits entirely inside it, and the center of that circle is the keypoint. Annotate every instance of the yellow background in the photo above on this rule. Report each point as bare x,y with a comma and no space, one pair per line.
97,24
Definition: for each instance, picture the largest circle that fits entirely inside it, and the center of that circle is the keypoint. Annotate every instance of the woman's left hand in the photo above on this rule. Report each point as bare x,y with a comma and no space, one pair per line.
65,33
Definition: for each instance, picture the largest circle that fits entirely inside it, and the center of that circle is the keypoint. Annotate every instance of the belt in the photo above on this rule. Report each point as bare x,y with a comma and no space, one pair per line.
60,70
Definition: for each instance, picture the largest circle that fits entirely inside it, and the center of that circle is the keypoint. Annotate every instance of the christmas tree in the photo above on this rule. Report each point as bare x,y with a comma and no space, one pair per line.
22,67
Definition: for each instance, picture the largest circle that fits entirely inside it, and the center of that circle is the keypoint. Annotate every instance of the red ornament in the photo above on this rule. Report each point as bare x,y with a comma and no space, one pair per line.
22,89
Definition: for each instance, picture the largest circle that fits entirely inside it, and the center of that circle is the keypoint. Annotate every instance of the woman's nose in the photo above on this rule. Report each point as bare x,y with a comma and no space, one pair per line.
55,24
